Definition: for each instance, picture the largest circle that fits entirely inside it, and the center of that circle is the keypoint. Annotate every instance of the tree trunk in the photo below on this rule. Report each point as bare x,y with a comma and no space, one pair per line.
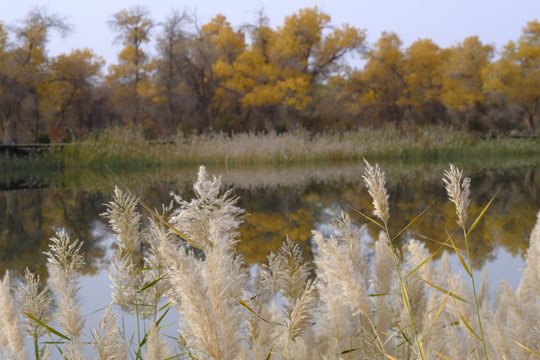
529,120
9,130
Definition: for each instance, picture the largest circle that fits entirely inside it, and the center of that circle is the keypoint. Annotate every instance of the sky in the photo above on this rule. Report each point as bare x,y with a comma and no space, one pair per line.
446,22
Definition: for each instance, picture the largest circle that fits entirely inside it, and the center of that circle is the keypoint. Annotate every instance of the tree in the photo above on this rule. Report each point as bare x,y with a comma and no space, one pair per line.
423,69
516,74
212,44
171,43
282,67
381,84
23,71
69,93
131,76
462,85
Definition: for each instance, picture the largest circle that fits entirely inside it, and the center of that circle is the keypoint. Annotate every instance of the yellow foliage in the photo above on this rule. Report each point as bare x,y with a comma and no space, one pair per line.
227,42
423,69
281,66
300,34
462,85
517,73
295,90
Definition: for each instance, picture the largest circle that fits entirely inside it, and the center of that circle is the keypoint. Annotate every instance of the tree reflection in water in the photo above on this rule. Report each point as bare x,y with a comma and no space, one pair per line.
279,202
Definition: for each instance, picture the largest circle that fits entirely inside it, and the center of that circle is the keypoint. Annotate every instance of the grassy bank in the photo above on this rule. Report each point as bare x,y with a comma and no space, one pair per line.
121,147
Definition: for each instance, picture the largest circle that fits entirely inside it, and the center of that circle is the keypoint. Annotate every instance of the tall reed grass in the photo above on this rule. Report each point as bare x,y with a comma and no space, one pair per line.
128,146
356,300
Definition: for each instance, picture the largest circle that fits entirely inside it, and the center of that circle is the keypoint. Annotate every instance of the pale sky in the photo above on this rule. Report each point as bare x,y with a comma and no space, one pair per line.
446,22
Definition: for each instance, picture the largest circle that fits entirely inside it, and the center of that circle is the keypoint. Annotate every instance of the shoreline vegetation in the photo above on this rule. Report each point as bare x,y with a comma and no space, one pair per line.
356,299
128,147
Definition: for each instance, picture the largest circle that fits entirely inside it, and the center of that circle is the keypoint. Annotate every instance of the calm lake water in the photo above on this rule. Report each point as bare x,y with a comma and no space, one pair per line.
279,202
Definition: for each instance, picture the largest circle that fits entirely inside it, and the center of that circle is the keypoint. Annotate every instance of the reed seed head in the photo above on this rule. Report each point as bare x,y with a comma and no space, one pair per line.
376,185
458,192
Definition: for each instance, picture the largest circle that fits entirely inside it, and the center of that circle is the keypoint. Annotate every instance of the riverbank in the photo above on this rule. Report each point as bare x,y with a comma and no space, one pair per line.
121,147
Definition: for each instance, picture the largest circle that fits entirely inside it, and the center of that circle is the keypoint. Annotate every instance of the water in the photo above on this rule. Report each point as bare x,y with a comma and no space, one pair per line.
279,202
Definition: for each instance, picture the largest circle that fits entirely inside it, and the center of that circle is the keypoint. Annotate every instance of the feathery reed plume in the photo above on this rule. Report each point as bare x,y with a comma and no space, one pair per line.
342,268
376,185
528,290
458,192
260,332
35,300
341,260
125,221
208,291
518,323
300,314
375,182
208,207
63,264
208,288
10,321
155,268
383,268
415,254
287,273
123,281
108,344
157,348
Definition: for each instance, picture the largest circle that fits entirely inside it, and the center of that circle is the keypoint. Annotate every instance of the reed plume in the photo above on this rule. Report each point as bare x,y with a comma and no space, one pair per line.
207,287
64,262
157,348
10,322
384,275
209,208
125,220
376,185
458,192
260,329
528,289
108,343
36,300
343,276
375,181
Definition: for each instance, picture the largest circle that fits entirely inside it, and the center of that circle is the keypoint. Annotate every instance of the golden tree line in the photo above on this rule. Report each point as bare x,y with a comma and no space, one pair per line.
255,77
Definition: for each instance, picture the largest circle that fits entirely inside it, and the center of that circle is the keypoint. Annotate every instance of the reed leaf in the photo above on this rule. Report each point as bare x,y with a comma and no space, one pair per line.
443,356
425,261
367,217
469,326
483,212
447,292
414,220
463,263
152,283
244,304
47,327
440,308
348,351
526,348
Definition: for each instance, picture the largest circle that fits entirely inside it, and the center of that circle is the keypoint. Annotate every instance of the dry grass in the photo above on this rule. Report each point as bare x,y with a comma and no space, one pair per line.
356,300
123,146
